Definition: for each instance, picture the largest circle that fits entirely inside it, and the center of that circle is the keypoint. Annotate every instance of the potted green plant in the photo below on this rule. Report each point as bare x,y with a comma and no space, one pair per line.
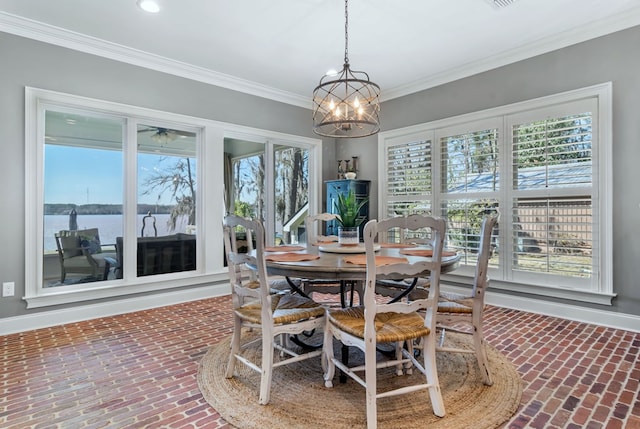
348,209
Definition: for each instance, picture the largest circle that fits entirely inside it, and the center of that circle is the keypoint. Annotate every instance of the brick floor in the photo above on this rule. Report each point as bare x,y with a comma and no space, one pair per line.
139,370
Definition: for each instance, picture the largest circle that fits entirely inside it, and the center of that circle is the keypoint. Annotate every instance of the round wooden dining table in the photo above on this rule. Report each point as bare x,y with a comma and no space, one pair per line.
331,265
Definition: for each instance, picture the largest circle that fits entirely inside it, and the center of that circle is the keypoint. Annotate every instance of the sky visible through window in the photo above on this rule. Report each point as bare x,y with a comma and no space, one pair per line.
74,175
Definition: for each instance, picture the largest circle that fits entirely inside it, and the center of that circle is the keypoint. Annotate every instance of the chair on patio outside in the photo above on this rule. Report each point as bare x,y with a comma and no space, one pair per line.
274,315
399,323
80,252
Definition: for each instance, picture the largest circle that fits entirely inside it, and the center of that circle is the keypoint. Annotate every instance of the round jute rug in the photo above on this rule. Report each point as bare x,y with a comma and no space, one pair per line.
300,400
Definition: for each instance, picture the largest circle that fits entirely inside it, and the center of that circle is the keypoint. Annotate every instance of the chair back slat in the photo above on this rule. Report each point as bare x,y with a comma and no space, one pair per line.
413,267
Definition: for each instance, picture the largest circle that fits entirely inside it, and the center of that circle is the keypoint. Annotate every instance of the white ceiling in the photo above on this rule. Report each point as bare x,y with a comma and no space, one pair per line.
280,48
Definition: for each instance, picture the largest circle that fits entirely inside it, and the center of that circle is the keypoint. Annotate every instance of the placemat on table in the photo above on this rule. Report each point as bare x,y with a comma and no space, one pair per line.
426,252
291,257
397,245
380,260
283,248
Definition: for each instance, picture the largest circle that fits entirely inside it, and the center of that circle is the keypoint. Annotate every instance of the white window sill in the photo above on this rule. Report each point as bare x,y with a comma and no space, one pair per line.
580,295
109,289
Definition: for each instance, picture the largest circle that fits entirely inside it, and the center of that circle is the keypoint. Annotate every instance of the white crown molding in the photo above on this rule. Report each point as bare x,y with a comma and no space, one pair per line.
68,39
58,36
597,29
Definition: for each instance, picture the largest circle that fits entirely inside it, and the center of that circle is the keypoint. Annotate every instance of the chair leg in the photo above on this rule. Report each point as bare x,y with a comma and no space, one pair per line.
481,352
267,368
370,369
399,367
235,346
409,365
429,356
327,356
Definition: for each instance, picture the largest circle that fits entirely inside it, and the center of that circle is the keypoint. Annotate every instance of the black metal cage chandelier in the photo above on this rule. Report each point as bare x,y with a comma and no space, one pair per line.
346,104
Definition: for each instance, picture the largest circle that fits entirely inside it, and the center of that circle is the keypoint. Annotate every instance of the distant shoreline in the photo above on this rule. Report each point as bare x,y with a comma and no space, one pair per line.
102,209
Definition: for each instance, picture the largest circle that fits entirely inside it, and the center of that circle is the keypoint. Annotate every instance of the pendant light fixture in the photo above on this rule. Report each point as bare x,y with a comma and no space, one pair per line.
346,104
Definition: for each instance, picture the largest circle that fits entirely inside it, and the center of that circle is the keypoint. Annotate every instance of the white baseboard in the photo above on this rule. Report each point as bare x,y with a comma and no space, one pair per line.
610,319
46,319
80,313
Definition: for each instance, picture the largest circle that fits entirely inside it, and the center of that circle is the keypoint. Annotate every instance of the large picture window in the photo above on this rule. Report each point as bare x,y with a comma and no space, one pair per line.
542,165
124,200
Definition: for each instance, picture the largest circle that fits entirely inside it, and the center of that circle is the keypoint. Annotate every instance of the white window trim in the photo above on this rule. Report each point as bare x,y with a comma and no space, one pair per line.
601,291
210,193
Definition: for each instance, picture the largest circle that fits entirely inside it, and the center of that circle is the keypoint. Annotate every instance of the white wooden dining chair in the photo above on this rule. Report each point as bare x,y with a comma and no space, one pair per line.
464,312
400,323
334,287
258,309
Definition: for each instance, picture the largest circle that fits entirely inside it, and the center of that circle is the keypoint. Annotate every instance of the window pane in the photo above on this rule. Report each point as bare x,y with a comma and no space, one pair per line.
464,219
166,209
553,153
470,162
83,196
248,187
291,193
553,236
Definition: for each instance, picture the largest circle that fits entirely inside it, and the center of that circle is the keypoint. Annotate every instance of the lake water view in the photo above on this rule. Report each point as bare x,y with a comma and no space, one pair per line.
109,226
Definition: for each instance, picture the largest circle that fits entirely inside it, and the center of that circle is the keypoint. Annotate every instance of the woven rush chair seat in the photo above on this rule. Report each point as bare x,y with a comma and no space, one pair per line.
455,303
280,285
286,308
390,327
448,302
276,287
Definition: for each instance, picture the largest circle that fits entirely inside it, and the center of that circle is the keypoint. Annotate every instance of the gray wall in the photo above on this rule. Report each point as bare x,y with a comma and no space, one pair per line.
611,58
31,63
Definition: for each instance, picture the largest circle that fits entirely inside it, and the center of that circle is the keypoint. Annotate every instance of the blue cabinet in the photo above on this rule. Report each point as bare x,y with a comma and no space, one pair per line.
337,187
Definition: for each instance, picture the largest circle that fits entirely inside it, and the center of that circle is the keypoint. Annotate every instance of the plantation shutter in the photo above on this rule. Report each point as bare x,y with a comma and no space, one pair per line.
409,173
552,205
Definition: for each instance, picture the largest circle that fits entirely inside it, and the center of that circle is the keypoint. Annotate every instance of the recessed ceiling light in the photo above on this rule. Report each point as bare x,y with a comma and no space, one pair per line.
149,6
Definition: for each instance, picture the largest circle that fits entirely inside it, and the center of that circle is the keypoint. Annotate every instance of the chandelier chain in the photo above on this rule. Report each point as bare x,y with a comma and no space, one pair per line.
346,33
